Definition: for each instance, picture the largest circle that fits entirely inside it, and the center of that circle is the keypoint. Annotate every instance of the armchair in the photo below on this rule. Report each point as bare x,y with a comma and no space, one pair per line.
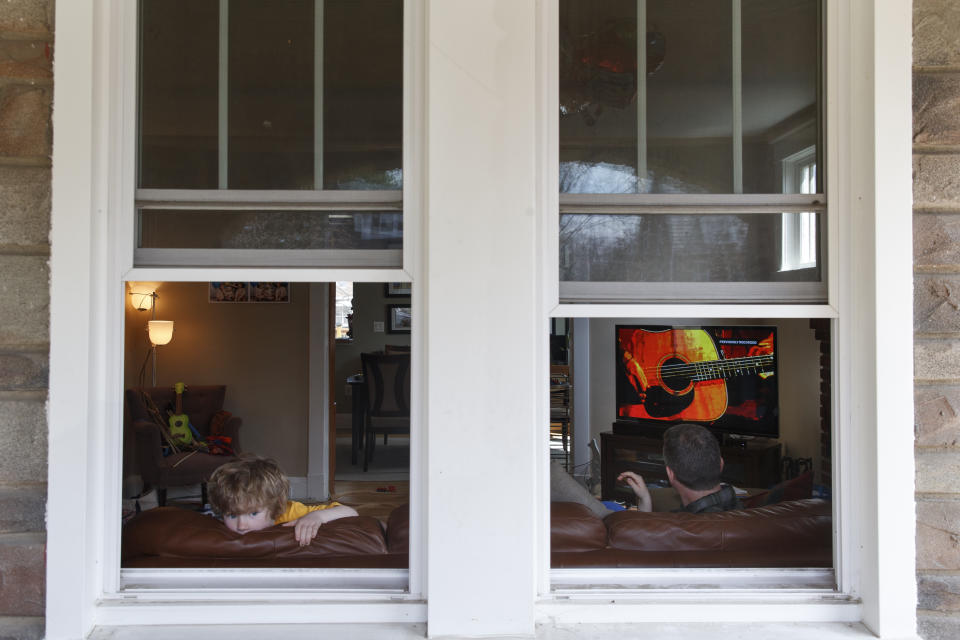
187,467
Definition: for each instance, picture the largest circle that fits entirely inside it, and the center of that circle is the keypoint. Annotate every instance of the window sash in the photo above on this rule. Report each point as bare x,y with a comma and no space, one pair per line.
224,198
793,206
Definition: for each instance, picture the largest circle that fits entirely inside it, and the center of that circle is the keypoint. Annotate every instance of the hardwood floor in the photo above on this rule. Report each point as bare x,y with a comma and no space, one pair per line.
367,500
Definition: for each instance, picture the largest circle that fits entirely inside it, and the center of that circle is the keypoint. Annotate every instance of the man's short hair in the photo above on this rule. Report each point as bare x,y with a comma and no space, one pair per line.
247,484
693,454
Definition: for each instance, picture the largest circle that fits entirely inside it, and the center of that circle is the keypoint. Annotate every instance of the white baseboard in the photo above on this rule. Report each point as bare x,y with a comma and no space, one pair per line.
312,488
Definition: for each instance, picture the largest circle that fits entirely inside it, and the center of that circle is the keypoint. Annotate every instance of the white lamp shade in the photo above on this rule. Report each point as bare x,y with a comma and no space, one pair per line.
160,331
141,300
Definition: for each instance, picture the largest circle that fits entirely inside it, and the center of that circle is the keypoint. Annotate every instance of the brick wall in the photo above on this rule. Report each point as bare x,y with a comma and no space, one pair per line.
26,86
936,195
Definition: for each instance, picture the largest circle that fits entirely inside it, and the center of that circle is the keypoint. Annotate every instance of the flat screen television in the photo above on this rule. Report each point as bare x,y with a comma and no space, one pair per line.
724,378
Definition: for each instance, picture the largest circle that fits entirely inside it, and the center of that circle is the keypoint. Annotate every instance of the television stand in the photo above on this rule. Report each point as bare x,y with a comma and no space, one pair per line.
748,463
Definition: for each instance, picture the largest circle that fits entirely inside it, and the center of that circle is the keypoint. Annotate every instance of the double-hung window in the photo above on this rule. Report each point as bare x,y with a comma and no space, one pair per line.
691,148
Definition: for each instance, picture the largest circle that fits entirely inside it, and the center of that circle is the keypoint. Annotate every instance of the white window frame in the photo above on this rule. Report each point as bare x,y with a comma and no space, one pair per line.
96,68
871,194
870,300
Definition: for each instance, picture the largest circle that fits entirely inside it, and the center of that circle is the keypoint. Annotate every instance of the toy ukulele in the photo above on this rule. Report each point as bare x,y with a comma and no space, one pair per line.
179,423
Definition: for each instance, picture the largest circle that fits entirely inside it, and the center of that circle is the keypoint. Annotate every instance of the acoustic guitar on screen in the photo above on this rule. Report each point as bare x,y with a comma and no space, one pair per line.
679,374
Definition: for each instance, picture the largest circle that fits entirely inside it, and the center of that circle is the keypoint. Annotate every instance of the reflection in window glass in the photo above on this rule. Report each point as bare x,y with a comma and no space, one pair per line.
689,126
676,248
363,94
799,248
271,103
722,97
178,94
257,119
202,229
598,96
780,78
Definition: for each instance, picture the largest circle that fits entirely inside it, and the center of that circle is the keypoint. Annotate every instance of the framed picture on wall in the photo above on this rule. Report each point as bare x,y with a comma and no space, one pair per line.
398,318
248,292
229,291
397,289
269,292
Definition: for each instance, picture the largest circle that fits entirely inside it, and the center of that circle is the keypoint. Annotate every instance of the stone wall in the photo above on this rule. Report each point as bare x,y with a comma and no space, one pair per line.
936,195
26,92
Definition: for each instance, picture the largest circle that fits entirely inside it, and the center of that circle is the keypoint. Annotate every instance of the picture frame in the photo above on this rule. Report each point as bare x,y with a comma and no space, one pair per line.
271,292
228,292
398,318
397,289
245,292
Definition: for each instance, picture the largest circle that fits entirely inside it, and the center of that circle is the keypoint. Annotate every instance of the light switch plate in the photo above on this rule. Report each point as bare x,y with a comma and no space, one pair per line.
377,326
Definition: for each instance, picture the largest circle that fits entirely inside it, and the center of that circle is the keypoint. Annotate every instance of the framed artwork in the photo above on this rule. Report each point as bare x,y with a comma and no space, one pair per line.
228,292
269,292
237,292
397,289
398,318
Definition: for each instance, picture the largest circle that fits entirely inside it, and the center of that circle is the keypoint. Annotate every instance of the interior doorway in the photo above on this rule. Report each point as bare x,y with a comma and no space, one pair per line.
369,453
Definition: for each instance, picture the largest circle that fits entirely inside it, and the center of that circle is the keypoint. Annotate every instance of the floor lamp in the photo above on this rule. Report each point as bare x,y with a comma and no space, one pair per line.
160,332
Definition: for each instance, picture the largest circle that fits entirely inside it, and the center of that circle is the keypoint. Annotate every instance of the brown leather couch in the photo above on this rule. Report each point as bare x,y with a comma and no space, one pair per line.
172,537
789,534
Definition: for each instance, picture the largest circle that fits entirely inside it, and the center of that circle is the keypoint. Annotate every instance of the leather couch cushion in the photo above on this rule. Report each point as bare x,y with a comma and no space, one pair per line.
177,533
573,527
799,525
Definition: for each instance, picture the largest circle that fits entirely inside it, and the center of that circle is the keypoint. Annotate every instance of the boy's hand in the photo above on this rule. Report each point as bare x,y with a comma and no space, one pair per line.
305,528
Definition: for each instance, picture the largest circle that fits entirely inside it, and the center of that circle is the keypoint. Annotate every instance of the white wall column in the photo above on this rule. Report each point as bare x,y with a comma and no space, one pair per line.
882,300
318,441
481,302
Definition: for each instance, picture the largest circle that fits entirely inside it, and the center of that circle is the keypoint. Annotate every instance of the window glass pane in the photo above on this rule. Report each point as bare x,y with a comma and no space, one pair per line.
780,79
760,387
178,94
680,248
203,229
685,139
270,106
363,94
598,96
263,93
674,129
245,352
690,97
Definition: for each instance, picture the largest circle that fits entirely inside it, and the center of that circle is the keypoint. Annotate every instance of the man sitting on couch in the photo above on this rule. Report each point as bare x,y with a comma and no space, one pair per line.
691,455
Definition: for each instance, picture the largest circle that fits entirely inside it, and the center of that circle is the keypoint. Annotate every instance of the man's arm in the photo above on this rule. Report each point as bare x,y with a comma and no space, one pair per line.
635,482
306,527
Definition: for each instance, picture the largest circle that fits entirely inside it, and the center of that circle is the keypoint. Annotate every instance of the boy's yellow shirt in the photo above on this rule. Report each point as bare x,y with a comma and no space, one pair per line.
295,510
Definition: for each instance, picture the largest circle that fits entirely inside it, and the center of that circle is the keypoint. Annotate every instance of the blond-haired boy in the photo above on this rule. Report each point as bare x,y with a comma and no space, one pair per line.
251,492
